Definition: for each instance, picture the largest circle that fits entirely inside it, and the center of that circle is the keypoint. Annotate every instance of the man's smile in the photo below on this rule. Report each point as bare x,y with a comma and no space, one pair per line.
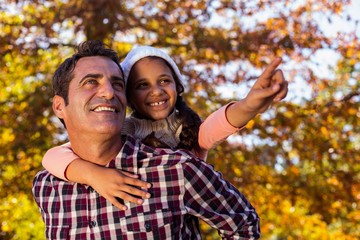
104,109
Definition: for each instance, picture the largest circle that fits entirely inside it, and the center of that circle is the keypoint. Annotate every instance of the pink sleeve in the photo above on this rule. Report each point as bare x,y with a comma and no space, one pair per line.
57,159
215,129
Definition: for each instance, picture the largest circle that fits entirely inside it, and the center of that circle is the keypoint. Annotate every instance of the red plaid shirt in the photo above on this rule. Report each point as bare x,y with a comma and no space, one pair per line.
183,189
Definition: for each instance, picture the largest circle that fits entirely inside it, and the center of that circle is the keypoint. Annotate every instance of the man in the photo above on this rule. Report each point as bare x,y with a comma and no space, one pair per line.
90,99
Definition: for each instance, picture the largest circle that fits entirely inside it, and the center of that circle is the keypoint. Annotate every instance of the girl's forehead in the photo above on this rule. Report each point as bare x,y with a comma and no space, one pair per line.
153,59
150,65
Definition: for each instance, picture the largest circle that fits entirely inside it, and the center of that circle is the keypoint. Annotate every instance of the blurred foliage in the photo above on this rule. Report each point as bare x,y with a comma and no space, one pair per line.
298,163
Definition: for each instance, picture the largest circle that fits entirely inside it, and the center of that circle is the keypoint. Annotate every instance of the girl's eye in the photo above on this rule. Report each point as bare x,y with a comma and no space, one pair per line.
165,81
141,85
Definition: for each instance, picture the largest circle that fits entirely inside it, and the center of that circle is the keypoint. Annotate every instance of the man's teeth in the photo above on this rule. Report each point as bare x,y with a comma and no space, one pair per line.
108,109
157,103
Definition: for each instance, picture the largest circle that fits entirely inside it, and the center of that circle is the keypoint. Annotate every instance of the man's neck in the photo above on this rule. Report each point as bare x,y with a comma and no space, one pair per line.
96,150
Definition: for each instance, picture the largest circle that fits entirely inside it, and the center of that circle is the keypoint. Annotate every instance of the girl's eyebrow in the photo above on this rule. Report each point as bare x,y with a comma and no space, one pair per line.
160,76
136,80
165,75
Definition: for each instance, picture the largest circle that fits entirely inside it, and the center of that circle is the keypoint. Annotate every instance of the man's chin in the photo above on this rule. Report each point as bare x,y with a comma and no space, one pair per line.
110,129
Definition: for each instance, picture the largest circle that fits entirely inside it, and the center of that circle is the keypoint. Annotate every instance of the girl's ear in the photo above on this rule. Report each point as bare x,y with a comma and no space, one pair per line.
58,106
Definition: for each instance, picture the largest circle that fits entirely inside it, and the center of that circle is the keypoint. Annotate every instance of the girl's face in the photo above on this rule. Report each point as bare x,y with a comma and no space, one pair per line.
152,88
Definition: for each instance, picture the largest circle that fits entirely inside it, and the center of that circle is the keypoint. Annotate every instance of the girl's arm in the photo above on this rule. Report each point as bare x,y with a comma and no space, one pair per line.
57,159
270,87
215,129
108,182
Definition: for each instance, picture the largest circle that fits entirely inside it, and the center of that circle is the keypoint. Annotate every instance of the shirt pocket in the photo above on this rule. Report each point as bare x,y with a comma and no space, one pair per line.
57,232
157,222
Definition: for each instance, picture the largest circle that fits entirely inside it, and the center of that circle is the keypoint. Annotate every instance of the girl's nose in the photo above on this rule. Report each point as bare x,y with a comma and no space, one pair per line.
156,90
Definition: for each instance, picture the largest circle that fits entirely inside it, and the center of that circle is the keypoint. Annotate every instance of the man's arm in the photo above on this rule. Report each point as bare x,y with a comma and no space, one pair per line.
45,197
219,203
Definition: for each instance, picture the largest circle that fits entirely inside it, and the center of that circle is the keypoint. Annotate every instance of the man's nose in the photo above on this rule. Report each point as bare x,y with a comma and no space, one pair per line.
106,90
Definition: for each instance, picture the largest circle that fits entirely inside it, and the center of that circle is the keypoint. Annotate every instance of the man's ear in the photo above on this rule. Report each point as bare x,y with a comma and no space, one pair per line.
58,106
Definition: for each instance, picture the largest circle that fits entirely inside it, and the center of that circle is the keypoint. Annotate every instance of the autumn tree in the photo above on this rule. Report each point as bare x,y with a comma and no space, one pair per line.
298,163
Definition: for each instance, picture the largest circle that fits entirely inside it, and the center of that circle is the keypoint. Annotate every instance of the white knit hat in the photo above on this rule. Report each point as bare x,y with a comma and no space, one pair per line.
140,52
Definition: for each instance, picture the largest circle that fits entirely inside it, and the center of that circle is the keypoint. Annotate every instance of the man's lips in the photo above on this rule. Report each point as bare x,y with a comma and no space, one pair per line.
104,109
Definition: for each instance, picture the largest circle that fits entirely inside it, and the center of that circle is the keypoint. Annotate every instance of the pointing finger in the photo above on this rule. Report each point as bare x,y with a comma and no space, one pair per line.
271,68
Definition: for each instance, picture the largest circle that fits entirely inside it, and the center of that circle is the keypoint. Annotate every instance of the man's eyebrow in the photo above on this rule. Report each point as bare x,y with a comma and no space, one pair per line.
91,75
117,78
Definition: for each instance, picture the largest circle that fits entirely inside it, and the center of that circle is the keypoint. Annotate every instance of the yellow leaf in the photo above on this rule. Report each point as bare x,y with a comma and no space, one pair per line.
7,136
324,131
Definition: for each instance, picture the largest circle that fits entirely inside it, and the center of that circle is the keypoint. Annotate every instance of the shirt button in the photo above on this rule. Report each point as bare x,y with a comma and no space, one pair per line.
92,224
148,226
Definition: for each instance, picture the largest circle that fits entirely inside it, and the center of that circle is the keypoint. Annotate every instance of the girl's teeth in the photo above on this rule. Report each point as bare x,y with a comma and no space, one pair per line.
157,103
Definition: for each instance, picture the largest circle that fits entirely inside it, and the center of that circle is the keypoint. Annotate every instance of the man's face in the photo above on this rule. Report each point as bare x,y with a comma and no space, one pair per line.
96,98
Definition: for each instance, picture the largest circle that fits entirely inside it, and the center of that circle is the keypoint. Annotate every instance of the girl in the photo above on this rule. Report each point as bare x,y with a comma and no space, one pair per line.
160,118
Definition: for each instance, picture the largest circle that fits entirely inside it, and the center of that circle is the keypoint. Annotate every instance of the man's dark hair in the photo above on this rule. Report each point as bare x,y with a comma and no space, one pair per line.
64,74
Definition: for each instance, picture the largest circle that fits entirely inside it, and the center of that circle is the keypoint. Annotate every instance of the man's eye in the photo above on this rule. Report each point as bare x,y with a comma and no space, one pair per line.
91,82
118,85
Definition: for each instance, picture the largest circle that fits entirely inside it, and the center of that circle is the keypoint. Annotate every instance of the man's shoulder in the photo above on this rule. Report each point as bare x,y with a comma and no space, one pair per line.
173,155
44,176
187,159
132,145
151,156
44,182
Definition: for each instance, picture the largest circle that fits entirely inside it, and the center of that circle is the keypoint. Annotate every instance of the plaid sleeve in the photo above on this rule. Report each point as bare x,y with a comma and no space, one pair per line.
219,203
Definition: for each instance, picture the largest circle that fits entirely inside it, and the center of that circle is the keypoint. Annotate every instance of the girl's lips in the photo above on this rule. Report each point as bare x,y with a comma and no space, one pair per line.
157,103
